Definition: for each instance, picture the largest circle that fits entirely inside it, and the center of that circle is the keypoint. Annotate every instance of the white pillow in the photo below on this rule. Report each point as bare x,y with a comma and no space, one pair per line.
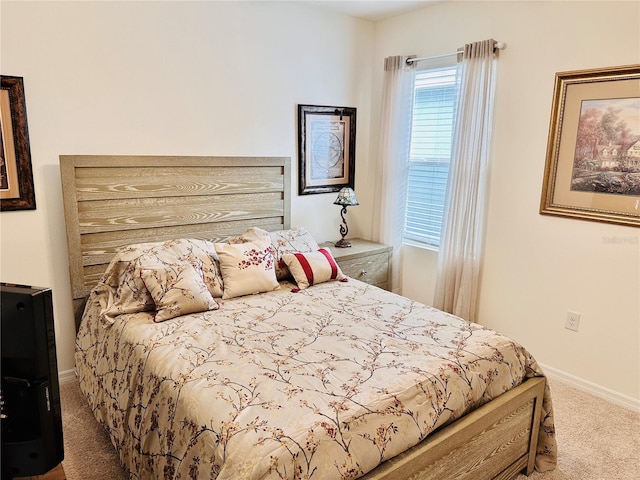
247,268
312,268
296,239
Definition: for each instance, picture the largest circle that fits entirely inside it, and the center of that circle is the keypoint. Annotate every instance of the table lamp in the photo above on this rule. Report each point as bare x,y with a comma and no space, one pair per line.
346,198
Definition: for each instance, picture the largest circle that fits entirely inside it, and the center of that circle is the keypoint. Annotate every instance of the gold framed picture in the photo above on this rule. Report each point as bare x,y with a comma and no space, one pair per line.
592,169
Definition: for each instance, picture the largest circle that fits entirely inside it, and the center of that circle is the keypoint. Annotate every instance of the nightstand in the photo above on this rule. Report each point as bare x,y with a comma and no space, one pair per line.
365,260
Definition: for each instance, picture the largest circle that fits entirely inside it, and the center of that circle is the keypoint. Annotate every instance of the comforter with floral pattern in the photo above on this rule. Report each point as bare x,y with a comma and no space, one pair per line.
325,383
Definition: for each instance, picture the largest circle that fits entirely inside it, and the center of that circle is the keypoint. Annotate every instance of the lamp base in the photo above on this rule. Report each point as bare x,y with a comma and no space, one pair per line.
342,243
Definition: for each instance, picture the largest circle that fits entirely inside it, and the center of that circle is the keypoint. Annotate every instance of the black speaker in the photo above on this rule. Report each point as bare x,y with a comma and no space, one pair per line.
30,398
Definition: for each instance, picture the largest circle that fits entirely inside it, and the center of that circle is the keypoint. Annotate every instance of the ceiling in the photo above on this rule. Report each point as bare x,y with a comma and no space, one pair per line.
371,10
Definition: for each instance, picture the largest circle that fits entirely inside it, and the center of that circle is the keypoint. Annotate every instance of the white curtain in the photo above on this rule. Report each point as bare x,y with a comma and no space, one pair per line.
463,224
395,137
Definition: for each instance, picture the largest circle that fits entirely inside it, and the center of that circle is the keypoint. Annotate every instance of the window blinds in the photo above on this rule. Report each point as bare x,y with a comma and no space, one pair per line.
433,120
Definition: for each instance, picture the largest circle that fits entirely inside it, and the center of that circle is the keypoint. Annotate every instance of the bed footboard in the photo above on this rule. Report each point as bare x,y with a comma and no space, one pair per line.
496,441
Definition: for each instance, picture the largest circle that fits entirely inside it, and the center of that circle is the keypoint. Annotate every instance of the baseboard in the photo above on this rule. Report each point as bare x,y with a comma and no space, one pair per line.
592,388
66,376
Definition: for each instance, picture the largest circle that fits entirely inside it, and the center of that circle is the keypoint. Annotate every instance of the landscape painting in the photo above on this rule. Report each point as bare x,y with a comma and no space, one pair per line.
607,152
592,170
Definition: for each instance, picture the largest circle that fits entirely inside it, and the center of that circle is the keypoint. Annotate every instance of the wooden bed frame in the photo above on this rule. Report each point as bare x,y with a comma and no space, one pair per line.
113,201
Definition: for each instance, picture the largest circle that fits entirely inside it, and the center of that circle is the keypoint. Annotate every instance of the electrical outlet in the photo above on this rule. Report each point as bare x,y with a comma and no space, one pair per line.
573,321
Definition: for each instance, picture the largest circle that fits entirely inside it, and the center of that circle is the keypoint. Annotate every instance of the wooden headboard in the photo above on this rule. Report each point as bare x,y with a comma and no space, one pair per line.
113,201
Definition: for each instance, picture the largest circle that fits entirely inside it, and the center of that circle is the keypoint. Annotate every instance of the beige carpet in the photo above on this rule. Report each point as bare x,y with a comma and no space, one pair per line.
597,440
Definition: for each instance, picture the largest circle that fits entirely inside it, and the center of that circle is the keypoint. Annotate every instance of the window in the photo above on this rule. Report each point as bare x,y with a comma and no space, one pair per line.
434,105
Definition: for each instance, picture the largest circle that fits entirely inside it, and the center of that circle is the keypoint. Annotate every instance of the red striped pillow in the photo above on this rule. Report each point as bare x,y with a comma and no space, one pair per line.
312,268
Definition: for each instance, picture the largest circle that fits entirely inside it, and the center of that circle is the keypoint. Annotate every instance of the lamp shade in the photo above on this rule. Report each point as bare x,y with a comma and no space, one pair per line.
346,197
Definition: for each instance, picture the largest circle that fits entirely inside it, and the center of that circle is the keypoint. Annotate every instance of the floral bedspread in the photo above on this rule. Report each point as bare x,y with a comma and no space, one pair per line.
325,383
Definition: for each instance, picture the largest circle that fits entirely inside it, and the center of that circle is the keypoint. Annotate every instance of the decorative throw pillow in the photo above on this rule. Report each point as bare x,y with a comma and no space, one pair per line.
313,268
123,277
289,241
251,235
247,268
127,291
177,290
202,253
296,239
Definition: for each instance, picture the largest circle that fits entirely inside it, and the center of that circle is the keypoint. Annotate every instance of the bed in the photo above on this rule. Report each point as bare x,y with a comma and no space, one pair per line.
206,350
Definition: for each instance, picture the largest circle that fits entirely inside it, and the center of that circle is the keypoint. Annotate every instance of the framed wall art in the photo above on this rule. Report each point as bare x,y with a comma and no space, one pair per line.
592,169
16,177
326,148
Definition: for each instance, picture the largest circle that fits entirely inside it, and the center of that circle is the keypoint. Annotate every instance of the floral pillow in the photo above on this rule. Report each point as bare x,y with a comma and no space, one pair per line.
312,268
296,239
127,292
200,253
204,251
176,290
251,235
289,241
246,268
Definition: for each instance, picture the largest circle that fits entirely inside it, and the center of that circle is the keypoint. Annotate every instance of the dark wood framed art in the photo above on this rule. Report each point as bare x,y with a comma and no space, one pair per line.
326,148
16,176
592,169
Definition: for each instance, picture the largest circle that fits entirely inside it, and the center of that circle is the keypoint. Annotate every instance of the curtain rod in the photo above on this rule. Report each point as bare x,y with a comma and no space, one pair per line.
497,45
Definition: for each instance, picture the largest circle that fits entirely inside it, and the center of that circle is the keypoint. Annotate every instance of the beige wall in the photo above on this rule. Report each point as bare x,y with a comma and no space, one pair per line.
169,78
536,268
